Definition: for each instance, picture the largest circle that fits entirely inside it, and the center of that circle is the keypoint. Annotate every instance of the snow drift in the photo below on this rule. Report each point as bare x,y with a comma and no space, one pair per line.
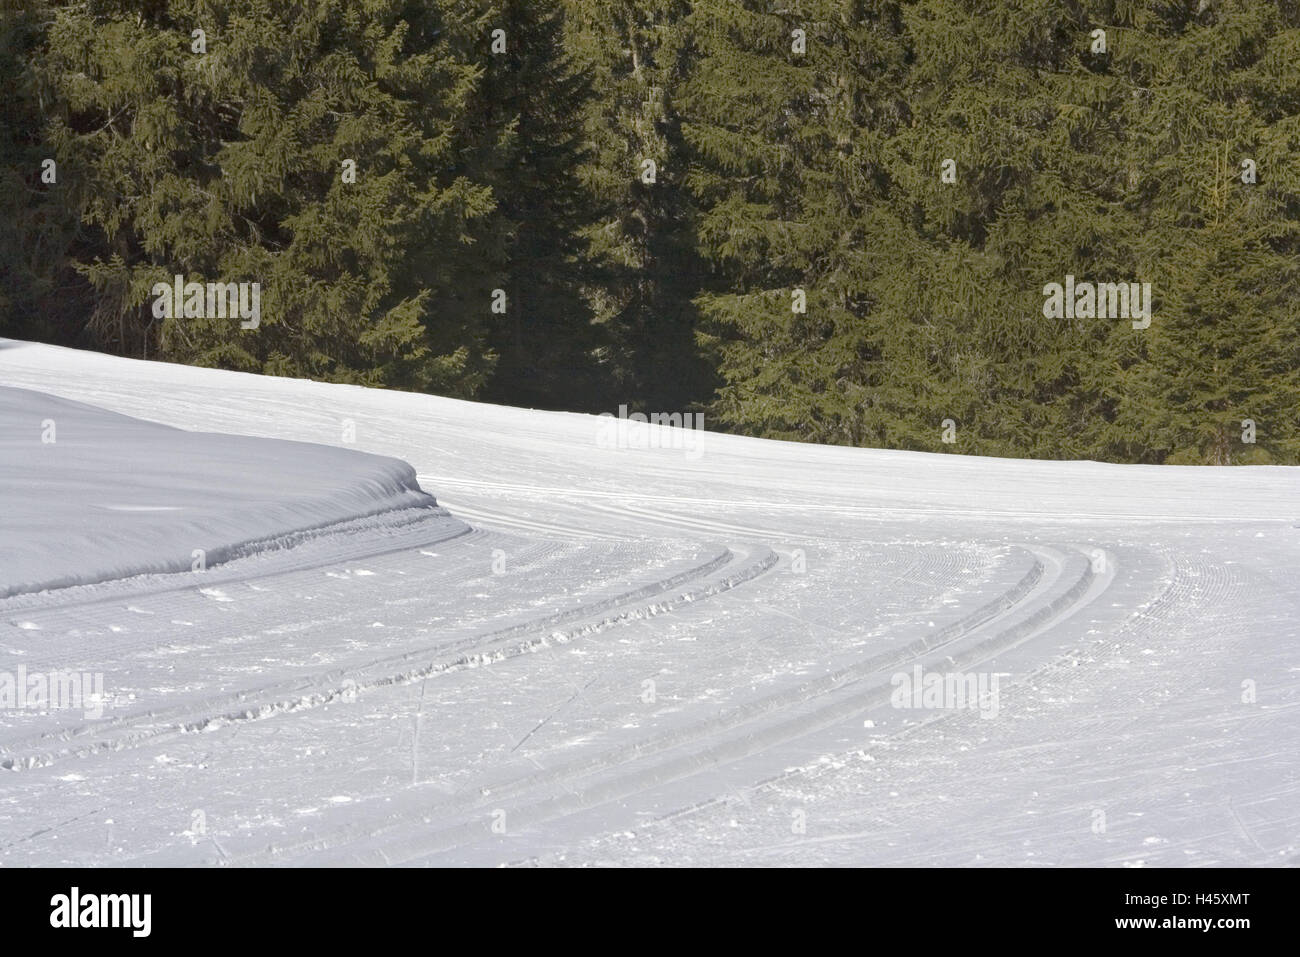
91,495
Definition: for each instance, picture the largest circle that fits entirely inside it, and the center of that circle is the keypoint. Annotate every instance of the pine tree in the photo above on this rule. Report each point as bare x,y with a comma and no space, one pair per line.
1215,125
787,114
647,271
38,289
1007,176
528,109
221,157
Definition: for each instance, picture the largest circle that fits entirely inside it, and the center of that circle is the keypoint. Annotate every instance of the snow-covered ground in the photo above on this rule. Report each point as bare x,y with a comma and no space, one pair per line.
686,654
92,496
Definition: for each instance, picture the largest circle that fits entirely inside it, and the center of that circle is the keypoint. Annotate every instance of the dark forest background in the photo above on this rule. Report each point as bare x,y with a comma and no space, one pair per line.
796,145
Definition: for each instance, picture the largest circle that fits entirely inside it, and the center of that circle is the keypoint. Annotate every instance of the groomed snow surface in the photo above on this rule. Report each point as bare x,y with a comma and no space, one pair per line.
551,640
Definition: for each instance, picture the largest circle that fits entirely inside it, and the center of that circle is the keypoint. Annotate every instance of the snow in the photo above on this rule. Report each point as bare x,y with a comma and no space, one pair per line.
679,652
92,495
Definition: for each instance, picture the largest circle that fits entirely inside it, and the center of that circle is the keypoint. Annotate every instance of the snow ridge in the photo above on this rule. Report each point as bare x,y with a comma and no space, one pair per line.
92,496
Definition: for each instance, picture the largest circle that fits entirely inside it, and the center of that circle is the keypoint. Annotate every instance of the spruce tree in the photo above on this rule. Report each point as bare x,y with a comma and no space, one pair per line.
1214,124
222,156
786,113
39,291
528,111
646,271
1007,176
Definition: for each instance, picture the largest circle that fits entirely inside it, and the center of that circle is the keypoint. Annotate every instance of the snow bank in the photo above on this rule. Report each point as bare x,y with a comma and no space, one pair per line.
556,456
90,495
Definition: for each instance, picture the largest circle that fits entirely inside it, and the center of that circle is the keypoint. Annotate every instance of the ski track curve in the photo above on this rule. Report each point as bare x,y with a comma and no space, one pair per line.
376,691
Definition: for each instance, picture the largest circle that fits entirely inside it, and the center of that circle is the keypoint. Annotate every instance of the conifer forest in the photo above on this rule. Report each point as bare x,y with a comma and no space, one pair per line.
1061,229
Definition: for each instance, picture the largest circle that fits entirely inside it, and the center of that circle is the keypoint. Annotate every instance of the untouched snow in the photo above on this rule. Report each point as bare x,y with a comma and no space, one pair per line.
671,655
92,495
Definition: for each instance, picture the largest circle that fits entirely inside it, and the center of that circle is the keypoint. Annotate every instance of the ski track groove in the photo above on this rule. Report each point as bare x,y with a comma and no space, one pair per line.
1190,589
701,743
337,684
